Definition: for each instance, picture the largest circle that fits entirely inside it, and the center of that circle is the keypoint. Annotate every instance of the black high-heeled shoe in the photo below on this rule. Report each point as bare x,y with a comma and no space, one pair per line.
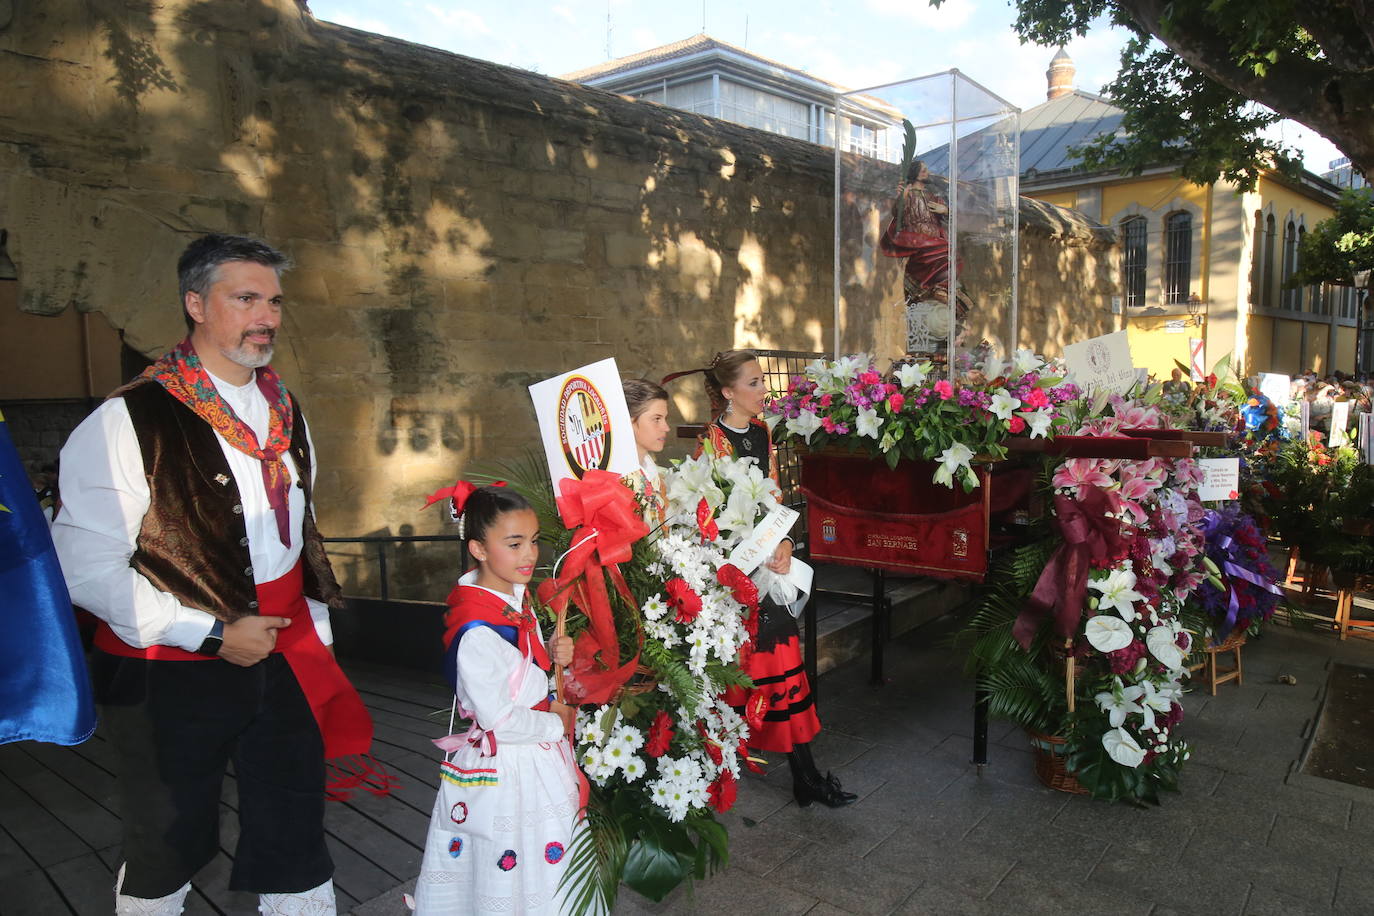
826,790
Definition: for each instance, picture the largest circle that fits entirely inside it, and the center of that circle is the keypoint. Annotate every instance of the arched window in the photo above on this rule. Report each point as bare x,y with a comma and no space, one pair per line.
1178,257
1290,299
1257,259
1270,239
1133,260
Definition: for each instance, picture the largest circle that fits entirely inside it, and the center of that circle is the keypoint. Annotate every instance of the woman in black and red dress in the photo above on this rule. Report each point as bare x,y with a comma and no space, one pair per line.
735,384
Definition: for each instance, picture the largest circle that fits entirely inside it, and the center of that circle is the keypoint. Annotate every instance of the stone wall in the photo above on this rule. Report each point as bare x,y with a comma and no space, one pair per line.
460,229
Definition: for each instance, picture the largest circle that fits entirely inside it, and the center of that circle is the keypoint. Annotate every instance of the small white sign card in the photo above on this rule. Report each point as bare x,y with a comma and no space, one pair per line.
1275,387
1340,423
1220,479
584,422
1102,363
767,534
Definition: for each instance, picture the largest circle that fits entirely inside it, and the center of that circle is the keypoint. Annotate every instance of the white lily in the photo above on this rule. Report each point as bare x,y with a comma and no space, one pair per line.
868,423
1003,404
804,424
819,371
1119,702
1038,421
1153,701
1118,593
912,375
956,456
944,475
1160,641
847,367
1122,748
738,514
1106,633
1024,361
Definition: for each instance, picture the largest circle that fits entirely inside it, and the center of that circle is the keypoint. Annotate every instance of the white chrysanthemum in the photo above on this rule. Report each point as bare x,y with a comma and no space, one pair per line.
654,608
634,768
630,736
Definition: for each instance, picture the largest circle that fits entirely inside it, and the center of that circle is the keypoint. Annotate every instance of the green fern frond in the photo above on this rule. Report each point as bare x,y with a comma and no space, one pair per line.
672,673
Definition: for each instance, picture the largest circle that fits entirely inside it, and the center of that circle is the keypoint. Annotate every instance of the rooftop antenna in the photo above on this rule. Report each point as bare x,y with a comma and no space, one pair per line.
703,17
746,30
608,29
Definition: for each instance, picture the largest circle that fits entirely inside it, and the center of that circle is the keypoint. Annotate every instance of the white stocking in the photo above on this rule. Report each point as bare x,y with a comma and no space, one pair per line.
171,905
318,901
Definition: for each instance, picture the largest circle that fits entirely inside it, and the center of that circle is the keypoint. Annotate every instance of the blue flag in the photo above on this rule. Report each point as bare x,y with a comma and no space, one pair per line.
45,692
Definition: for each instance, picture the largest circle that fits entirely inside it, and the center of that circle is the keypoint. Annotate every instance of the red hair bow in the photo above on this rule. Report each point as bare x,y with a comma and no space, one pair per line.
459,493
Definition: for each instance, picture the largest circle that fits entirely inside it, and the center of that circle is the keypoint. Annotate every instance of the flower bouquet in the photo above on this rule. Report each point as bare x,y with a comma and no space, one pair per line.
657,742
1084,638
1241,589
906,415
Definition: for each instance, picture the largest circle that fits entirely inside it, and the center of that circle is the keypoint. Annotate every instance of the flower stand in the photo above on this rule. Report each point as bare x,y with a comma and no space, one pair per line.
1347,584
1214,673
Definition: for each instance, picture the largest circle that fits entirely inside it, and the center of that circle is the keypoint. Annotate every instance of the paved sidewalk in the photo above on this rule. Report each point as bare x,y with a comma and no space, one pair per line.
1247,834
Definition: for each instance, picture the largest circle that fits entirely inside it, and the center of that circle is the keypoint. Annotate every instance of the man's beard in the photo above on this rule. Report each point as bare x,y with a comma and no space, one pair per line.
250,355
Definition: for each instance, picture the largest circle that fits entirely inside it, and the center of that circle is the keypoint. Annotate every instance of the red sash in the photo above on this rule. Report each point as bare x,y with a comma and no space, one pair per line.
345,725
469,605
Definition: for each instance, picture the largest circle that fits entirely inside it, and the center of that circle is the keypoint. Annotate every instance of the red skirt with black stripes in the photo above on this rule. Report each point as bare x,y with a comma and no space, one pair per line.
791,718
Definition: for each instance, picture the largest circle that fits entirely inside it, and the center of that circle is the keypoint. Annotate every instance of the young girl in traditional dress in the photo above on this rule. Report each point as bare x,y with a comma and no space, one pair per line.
648,404
735,385
509,794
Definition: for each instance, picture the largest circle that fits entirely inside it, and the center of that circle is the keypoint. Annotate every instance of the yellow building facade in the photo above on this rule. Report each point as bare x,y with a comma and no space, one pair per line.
1202,266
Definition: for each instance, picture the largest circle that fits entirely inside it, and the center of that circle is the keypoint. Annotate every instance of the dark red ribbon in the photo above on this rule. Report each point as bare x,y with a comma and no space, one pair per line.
1093,539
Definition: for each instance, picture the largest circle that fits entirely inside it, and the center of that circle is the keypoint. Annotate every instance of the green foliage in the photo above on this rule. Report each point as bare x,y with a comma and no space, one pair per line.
626,839
1340,246
1024,687
1201,79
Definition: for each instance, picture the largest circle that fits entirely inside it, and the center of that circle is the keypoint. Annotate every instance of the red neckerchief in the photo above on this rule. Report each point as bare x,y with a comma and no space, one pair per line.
469,604
181,373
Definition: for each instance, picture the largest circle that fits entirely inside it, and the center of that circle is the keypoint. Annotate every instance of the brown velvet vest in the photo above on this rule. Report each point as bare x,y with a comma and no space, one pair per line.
194,542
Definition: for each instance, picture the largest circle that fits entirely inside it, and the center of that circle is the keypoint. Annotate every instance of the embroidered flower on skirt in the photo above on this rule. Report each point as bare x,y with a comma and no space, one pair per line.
553,853
507,860
455,847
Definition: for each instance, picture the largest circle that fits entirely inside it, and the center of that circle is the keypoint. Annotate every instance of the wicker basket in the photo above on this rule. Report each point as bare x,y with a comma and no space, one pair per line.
1049,763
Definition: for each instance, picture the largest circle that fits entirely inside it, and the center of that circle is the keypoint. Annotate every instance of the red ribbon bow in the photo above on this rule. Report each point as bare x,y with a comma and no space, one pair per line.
459,493
1093,539
604,518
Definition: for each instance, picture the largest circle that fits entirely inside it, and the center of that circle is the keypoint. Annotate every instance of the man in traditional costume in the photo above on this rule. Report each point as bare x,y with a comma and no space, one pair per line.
187,528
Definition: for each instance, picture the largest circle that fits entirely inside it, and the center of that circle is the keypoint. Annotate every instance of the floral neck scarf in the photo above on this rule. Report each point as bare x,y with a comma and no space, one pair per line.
181,373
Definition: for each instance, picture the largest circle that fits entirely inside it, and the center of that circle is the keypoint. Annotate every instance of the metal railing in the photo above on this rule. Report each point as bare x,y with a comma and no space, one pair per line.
382,540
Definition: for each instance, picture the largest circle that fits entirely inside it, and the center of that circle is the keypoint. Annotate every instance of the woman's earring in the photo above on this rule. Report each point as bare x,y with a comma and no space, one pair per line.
729,406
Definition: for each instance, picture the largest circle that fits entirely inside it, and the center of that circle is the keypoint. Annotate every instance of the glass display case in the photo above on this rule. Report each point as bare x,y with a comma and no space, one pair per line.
926,209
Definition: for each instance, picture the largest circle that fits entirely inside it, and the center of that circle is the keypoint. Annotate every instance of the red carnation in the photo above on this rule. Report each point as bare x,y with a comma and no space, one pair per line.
722,792
706,524
660,735
685,603
895,402
1016,424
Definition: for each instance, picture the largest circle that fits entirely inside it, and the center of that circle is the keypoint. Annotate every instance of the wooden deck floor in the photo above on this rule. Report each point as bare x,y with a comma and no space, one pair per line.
60,830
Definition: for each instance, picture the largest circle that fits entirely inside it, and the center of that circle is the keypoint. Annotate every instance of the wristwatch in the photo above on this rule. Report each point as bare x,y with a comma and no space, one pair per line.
213,642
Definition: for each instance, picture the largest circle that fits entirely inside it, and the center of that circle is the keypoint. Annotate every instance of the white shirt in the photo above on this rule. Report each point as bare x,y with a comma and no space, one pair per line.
498,685
104,498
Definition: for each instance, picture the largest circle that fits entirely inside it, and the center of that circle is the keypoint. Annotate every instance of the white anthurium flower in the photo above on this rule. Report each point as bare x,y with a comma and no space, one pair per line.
1123,748
912,375
1106,633
1038,421
1024,361
804,424
1003,404
1152,701
1118,593
868,423
956,456
1160,641
1119,702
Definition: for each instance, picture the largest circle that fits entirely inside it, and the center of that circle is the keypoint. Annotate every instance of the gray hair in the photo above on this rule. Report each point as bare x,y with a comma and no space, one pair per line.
198,266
